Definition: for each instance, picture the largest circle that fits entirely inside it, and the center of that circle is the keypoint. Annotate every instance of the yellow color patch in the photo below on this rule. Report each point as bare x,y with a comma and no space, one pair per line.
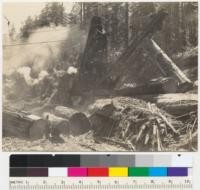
118,172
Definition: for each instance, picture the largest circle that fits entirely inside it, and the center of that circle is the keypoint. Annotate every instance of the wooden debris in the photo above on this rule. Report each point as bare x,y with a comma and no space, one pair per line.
142,128
168,123
121,143
146,139
154,136
187,142
142,124
159,143
131,145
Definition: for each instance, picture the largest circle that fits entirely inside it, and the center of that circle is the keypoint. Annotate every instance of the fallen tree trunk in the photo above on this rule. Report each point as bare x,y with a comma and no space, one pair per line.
156,86
167,64
78,121
22,125
175,104
154,24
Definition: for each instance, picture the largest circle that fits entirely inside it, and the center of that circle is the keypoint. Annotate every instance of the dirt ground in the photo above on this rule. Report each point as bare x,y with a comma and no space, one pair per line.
72,144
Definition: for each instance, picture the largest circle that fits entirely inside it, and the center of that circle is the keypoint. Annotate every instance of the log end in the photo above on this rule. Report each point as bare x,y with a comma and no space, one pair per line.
79,124
37,130
63,128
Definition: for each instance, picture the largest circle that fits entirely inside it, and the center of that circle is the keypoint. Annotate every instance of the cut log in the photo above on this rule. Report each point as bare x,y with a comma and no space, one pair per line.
37,130
58,124
167,64
102,125
22,125
175,104
102,107
78,121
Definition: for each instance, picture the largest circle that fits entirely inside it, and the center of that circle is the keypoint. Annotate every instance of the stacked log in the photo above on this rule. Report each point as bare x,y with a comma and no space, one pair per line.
101,116
78,121
22,125
176,104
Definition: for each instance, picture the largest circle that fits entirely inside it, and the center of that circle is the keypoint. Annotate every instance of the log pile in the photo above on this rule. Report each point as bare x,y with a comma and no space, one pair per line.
137,123
63,120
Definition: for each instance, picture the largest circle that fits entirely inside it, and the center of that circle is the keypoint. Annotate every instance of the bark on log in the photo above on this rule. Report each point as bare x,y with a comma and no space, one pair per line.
37,130
58,124
175,104
102,107
101,124
22,125
165,62
78,121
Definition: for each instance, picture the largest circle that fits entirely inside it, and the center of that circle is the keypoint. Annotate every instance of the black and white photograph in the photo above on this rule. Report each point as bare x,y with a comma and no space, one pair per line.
100,76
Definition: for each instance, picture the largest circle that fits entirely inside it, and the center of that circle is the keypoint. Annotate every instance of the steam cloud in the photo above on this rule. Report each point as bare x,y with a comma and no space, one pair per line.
33,60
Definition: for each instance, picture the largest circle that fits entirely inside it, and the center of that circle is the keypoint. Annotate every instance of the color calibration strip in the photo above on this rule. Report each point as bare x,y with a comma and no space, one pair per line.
101,172
48,161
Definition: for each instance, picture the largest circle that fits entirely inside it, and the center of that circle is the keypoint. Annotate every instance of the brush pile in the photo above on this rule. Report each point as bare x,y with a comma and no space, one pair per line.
138,124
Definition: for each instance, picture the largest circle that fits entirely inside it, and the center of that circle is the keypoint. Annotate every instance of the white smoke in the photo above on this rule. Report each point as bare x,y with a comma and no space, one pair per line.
36,60
26,73
40,49
72,70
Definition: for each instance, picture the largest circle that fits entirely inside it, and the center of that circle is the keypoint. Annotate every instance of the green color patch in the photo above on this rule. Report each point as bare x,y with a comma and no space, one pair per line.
138,171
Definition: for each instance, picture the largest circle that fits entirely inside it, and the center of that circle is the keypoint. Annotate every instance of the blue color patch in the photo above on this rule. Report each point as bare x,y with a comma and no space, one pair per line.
158,171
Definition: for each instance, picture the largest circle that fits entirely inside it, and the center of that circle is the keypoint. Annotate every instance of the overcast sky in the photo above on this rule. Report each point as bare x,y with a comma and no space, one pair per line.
18,12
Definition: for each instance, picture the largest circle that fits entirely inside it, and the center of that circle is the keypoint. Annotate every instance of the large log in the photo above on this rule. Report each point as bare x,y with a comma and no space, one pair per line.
175,104
78,121
38,130
156,86
167,64
103,107
19,124
58,124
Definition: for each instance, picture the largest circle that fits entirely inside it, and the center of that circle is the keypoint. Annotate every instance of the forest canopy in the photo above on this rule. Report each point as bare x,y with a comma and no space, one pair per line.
123,21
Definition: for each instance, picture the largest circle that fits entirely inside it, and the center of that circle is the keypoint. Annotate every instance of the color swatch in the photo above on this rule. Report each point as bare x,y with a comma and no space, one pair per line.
100,166
100,172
